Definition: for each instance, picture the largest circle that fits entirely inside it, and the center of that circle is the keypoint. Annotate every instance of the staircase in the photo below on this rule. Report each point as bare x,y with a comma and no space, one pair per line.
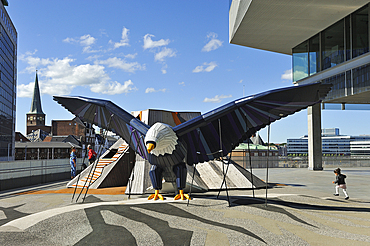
87,178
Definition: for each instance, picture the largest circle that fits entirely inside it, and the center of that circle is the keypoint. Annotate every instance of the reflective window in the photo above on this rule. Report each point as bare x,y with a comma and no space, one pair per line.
300,61
361,79
314,52
347,23
332,40
360,32
339,86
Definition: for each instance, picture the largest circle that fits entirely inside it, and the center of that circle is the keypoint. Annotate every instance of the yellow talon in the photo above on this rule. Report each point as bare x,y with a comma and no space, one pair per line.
156,195
182,196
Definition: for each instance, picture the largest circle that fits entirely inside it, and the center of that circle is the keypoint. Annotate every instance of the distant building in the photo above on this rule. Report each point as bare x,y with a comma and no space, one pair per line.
258,154
63,139
36,117
8,84
83,132
44,150
333,144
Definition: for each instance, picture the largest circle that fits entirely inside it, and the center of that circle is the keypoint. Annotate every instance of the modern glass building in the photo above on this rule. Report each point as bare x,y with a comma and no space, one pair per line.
328,41
8,84
333,144
342,49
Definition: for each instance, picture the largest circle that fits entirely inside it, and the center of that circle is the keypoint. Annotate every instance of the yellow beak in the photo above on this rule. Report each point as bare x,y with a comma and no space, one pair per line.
150,147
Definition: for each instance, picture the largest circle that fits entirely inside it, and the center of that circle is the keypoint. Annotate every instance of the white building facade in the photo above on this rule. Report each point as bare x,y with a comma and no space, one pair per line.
333,144
329,43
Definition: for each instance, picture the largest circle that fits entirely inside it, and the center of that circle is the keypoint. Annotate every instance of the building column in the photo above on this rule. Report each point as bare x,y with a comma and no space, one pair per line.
314,137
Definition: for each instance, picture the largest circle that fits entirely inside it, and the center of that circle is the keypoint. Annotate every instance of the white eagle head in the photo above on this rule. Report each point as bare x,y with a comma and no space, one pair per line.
160,139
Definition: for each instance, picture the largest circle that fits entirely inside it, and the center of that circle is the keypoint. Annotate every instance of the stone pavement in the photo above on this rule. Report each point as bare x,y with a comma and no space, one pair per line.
301,210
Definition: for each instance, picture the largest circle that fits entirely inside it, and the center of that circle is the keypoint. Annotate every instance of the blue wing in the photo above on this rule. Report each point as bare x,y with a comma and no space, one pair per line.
219,131
108,115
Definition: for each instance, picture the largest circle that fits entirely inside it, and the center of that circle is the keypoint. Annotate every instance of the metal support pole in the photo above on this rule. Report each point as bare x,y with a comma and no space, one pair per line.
250,167
267,161
223,164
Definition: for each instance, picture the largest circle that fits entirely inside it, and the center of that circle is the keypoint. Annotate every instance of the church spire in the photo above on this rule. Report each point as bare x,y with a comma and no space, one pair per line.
36,99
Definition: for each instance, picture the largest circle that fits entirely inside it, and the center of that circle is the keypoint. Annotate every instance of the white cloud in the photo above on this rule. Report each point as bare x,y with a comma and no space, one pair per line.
86,41
149,43
213,43
288,75
93,57
114,87
34,62
131,56
60,77
24,90
69,40
206,67
151,90
164,69
122,64
216,99
124,39
182,83
165,52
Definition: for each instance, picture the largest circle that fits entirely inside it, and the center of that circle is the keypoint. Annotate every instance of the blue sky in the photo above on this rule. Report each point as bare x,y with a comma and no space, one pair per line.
171,55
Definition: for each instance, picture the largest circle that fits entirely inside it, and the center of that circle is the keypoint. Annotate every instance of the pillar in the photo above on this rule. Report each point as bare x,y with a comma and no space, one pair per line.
314,138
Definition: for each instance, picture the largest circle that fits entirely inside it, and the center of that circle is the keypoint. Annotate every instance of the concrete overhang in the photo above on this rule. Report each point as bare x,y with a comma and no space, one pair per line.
280,25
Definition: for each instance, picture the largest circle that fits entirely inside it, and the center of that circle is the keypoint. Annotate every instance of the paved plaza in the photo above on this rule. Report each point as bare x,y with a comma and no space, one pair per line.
301,210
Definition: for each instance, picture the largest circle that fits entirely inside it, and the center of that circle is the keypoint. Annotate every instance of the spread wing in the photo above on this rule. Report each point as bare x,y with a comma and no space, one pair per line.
108,115
219,131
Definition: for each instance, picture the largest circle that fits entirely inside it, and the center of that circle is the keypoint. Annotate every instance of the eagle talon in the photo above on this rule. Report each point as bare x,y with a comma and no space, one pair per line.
156,196
182,196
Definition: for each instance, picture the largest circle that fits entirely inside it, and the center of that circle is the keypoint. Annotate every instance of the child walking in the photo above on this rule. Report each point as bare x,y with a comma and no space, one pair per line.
340,183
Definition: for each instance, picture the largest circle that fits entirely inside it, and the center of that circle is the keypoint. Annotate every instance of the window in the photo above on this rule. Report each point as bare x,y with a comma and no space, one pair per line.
332,40
314,54
300,61
360,32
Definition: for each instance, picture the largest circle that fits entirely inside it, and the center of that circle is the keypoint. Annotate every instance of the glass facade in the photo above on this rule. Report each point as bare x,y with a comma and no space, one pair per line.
314,54
300,61
350,82
360,32
346,39
332,43
8,64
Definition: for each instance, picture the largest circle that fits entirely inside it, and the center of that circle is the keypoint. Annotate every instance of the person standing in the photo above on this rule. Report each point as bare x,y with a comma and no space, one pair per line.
340,183
91,154
73,162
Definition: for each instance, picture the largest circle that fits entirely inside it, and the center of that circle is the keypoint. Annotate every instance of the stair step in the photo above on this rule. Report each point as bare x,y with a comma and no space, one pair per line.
80,186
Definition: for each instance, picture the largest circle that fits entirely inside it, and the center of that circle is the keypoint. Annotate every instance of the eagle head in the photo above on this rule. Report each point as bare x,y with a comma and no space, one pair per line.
160,139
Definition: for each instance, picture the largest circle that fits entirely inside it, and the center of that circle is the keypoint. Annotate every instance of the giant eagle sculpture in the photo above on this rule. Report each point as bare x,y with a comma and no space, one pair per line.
206,137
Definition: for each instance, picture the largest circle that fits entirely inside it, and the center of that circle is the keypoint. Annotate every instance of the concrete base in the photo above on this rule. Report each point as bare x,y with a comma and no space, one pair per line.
315,169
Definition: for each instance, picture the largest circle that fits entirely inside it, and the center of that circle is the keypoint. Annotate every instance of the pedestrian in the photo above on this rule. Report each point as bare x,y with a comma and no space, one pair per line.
340,183
73,162
91,154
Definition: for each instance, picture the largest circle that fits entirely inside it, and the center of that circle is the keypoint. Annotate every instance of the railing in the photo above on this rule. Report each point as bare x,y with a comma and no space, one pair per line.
327,161
302,161
15,174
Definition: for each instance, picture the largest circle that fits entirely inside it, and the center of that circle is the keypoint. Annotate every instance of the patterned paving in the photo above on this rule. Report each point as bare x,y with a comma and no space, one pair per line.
286,220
